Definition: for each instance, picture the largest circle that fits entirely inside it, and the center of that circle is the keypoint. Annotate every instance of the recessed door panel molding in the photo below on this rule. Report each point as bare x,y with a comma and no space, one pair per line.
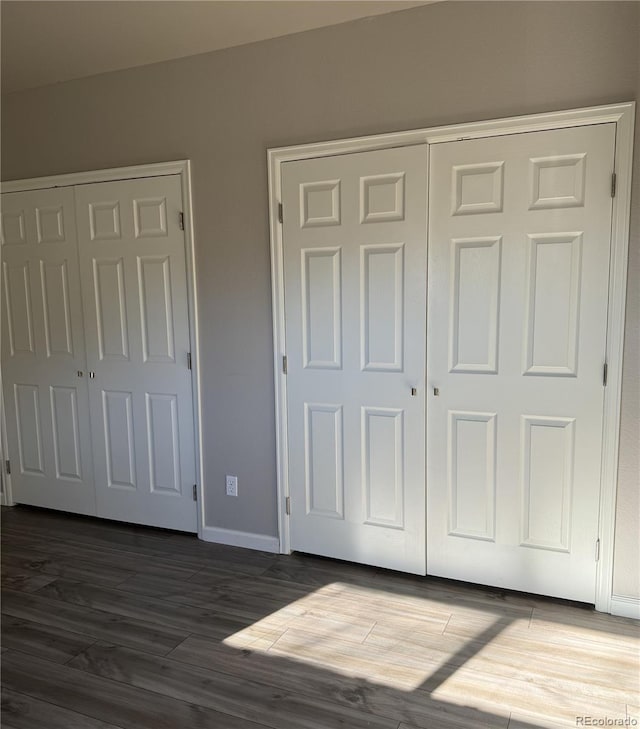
382,307
354,243
320,203
163,439
477,188
324,464
17,287
50,224
54,283
557,181
322,306
150,217
475,304
13,228
66,433
119,444
104,220
28,419
553,315
110,306
382,198
527,300
156,308
471,475
383,461
547,481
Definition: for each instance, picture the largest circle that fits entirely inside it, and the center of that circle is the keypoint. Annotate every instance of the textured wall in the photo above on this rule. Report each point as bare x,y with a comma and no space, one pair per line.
438,64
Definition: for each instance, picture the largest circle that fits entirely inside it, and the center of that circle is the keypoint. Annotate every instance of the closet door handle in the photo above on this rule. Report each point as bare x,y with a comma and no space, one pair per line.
80,373
92,375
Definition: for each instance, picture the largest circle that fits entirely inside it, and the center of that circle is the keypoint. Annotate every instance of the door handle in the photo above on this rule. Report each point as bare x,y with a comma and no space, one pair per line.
92,375
436,391
414,391
80,373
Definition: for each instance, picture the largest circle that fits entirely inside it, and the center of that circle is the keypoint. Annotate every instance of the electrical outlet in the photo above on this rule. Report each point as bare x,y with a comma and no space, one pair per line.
232,485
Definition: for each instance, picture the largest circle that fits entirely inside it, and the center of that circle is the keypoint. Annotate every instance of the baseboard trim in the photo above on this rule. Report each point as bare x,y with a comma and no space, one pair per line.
625,607
233,538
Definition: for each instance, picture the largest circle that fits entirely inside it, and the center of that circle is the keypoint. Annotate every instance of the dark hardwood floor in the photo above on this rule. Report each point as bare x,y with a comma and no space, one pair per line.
112,626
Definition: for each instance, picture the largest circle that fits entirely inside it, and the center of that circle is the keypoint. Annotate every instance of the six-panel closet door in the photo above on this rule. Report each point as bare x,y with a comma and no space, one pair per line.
43,353
95,351
132,264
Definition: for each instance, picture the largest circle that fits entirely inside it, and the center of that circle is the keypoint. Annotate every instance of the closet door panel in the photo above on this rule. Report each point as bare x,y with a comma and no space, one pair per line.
43,352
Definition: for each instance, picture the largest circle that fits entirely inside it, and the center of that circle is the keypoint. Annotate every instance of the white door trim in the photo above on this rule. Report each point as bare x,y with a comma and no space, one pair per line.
182,168
620,114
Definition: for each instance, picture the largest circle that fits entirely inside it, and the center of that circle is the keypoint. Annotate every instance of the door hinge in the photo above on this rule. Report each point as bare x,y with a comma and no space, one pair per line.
614,180
285,366
195,491
7,467
597,549
605,373
181,221
287,505
280,213
189,360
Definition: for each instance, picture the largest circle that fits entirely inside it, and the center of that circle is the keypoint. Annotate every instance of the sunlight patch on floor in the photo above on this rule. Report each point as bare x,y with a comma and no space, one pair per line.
332,628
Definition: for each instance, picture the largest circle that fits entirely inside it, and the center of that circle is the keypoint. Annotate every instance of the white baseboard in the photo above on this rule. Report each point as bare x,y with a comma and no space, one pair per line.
625,607
261,542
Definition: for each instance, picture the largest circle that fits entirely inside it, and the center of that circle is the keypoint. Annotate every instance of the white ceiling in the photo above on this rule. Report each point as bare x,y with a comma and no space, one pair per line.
45,42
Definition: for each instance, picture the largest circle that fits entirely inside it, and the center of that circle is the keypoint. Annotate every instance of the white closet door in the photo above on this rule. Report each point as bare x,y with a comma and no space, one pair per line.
355,294
519,241
43,357
132,260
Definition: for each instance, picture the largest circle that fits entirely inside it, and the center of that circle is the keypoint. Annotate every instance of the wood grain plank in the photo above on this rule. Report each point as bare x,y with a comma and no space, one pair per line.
71,568
99,625
249,700
126,606
20,711
45,641
107,700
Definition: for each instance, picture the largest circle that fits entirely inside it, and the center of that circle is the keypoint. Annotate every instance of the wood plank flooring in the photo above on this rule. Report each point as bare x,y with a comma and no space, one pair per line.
112,626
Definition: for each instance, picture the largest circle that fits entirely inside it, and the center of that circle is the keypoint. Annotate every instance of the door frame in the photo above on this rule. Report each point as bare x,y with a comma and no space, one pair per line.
158,169
622,115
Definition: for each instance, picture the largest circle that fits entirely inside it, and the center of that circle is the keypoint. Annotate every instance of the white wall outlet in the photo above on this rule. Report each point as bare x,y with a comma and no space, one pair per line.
232,485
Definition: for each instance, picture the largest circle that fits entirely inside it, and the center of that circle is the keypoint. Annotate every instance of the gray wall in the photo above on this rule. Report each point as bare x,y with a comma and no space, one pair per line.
439,64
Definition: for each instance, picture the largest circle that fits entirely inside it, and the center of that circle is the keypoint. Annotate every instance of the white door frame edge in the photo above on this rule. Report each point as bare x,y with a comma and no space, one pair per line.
622,115
159,169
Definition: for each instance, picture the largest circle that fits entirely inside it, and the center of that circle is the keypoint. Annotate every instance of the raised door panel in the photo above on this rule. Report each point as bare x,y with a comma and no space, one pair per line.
19,309
66,433
56,303
29,426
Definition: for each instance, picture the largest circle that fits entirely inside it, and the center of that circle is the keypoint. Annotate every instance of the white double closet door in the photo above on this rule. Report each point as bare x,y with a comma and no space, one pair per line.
506,373
95,343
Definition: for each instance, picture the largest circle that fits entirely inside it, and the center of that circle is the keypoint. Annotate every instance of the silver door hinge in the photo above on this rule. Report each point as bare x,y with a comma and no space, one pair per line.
280,213
597,549
605,372
181,221
7,467
189,360
614,180
284,364
195,491
287,505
